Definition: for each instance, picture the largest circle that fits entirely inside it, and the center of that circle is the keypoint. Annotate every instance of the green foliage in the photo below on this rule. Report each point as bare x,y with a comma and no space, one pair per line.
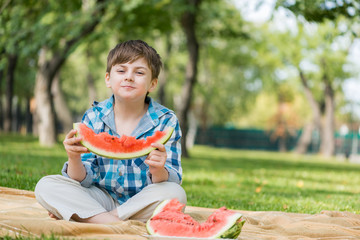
238,60
226,63
316,55
75,72
320,10
25,77
220,21
261,115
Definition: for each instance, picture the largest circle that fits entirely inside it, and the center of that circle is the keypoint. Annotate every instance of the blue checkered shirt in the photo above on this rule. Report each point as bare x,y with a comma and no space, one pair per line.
122,179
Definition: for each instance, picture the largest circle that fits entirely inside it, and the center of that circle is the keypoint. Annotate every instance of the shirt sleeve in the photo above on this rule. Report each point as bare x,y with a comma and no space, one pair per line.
89,161
173,150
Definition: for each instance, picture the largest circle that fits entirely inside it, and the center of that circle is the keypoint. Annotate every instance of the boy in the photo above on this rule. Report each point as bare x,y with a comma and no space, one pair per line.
95,189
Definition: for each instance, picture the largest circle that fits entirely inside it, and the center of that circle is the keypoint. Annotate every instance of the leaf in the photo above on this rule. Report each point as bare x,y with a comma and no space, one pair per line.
300,184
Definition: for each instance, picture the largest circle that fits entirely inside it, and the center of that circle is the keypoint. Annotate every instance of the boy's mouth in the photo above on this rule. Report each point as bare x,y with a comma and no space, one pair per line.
128,87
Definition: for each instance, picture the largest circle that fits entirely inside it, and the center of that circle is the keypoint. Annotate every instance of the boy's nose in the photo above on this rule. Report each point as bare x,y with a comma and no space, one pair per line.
129,77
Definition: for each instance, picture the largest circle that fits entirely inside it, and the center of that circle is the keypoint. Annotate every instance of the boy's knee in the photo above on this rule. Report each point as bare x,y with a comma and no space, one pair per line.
173,190
47,185
43,186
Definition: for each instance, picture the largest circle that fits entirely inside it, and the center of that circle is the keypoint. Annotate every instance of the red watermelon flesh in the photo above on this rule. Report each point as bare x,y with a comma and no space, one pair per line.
169,220
125,147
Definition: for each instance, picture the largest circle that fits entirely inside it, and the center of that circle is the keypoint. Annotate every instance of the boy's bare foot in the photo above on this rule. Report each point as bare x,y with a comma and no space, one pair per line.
105,217
53,216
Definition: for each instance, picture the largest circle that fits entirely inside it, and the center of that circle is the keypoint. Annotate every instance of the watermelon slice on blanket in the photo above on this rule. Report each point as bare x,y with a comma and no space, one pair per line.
125,147
169,220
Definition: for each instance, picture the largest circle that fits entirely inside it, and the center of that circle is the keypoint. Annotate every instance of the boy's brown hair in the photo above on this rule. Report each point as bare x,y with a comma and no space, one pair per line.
131,51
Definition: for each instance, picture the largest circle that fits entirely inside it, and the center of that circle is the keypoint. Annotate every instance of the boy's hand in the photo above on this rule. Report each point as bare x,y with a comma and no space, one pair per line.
73,147
156,161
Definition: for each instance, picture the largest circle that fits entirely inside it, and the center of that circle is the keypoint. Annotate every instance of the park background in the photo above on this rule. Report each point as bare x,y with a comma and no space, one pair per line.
280,76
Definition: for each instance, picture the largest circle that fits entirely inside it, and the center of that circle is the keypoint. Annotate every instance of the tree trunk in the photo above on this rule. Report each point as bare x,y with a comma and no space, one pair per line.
91,87
34,117
304,141
62,110
305,138
19,117
163,74
327,146
28,116
47,70
282,144
188,22
1,103
90,80
44,105
10,79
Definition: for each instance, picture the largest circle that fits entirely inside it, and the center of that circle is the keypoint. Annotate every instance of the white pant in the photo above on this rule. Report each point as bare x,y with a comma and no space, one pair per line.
65,197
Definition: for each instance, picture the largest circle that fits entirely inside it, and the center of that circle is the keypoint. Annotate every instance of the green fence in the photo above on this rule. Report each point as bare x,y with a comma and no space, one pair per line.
255,139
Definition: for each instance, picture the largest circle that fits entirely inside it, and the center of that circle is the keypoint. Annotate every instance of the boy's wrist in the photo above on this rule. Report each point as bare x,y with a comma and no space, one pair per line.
160,175
74,159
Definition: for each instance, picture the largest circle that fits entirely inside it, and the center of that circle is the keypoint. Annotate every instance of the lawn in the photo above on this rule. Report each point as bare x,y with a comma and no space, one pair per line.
215,177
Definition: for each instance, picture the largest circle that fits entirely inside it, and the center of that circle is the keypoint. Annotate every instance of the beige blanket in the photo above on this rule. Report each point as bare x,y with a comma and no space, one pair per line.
21,215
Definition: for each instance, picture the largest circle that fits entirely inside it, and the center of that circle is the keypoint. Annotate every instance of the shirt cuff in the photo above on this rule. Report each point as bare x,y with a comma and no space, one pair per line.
87,180
173,175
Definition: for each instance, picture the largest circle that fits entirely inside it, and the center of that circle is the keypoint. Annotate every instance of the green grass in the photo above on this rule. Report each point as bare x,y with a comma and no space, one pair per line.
214,177
269,181
24,162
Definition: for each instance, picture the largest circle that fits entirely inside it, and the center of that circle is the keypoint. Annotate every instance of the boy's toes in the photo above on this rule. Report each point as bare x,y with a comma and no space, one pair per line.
53,216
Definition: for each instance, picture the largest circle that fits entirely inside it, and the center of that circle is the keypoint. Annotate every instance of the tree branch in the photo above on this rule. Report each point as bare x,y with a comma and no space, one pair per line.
60,58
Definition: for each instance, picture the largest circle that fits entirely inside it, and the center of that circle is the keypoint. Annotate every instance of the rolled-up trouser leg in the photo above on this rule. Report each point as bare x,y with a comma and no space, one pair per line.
64,197
142,205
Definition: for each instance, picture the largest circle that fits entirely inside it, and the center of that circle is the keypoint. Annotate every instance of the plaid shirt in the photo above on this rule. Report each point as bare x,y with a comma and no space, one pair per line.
122,179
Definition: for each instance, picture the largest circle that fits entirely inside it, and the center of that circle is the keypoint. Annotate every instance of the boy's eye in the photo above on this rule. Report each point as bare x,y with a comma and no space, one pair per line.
140,73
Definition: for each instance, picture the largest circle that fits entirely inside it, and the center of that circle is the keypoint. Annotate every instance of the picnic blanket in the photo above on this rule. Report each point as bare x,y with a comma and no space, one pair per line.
21,215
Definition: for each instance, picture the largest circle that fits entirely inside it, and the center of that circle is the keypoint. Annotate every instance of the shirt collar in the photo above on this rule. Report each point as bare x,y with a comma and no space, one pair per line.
151,118
149,121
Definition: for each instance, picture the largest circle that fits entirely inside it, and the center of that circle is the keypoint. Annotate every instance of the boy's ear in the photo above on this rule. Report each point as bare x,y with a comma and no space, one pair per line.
107,79
153,84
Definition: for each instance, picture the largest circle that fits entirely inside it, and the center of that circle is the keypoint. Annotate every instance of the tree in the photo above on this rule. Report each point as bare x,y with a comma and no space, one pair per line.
225,56
123,20
321,71
315,123
321,12
1,104
13,35
219,59
52,57
9,80
188,24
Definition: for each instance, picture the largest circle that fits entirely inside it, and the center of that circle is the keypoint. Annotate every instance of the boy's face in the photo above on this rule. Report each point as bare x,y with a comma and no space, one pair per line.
131,80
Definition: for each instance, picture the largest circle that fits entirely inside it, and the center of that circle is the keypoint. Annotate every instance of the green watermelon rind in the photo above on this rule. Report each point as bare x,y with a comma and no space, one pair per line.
123,156
230,231
234,231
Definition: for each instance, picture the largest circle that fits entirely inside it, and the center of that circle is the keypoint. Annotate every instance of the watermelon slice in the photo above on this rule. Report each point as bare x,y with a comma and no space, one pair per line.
169,220
125,147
